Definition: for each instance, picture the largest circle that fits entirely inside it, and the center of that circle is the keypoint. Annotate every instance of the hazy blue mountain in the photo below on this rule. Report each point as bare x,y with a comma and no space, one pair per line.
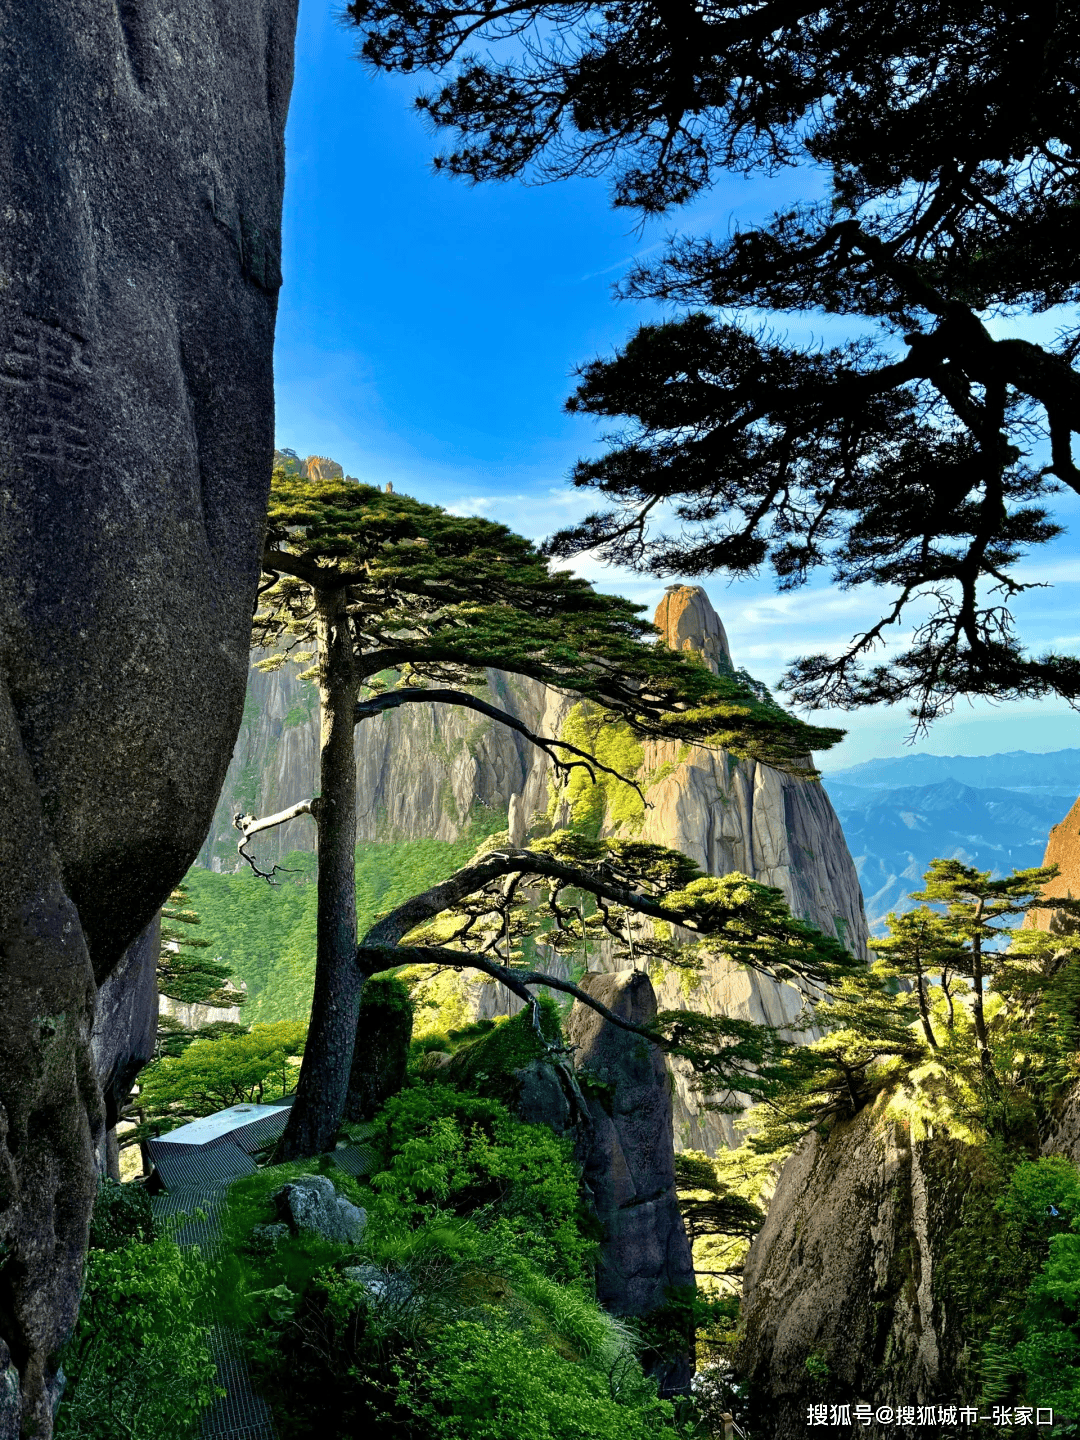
1057,771
993,812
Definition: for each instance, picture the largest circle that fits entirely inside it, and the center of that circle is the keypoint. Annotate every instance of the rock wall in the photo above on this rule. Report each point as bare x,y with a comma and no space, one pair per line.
1062,850
730,815
842,1275
141,177
193,1016
421,769
125,1031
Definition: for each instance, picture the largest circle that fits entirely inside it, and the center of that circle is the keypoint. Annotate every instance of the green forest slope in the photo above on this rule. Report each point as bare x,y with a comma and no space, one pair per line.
266,934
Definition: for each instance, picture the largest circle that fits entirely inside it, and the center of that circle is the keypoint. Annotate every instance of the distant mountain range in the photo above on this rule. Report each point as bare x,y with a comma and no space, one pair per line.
991,811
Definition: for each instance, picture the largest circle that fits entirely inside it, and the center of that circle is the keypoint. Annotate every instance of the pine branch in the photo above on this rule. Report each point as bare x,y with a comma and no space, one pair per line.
392,699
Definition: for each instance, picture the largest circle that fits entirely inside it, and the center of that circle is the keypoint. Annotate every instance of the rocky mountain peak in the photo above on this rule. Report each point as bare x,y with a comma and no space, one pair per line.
1062,850
315,467
687,621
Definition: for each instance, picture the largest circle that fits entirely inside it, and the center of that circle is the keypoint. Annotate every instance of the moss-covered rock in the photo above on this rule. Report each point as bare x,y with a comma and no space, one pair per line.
381,1056
491,1064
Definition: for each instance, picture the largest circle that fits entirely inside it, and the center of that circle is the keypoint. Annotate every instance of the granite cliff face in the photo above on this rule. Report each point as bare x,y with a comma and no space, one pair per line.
1062,850
141,179
423,770
842,1275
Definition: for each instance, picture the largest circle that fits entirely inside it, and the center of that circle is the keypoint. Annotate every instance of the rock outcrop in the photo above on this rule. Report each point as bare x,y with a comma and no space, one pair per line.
687,621
1062,850
628,1160
125,1032
842,1276
381,1057
141,181
194,1016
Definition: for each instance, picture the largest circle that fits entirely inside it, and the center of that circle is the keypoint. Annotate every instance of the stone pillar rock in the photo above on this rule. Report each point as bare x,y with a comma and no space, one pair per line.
629,1159
141,177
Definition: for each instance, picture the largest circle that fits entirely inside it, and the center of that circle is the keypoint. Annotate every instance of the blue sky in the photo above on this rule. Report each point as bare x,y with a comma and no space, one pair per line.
428,331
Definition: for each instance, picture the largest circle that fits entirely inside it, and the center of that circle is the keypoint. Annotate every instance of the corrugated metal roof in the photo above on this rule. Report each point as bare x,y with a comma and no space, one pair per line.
224,1124
256,1133
185,1167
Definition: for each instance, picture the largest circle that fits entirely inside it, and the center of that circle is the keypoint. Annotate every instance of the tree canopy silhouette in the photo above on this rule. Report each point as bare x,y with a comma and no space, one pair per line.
923,455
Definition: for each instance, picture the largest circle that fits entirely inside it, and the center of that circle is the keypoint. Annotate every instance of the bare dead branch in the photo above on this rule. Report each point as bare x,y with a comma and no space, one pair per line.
250,825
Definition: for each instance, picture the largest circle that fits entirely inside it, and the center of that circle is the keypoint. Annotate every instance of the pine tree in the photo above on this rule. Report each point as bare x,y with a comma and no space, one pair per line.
921,944
922,457
962,1011
981,913
192,979
394,603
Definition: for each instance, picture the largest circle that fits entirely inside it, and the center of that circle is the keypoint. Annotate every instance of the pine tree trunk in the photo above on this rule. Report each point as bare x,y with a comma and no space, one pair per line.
978,1013
324,1075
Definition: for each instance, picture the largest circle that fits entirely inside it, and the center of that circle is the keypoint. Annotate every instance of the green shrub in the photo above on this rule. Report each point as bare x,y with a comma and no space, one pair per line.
448,1151
488,1380
139,1365
121,1213
213,1073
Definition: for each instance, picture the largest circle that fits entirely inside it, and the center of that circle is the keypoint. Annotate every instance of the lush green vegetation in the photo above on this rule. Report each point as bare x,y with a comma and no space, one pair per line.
215,1071
266,934
481,1325
486,1327
138,1366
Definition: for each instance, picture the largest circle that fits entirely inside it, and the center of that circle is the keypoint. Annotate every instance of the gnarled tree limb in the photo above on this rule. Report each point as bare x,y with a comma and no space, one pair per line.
392,699
249,825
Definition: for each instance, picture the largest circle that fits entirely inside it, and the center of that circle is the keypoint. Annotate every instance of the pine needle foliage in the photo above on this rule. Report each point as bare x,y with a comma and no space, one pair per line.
193,979
434,599
924,454
963,1025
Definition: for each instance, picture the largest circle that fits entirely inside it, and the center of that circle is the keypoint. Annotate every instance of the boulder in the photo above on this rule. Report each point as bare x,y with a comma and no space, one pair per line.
628,1158
265,1238
9,1396
310,1202
140,179
386,1287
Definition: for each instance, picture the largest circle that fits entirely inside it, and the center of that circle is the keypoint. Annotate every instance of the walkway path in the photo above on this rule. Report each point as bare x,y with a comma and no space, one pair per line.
198,1179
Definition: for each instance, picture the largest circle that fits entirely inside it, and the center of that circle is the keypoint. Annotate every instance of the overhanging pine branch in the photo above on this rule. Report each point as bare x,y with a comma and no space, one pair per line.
391,699
373,958
392,928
